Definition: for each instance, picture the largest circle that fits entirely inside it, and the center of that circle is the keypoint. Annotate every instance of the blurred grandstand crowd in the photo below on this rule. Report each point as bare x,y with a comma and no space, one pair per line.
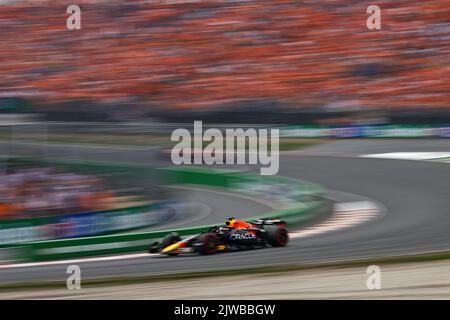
44,191
203,54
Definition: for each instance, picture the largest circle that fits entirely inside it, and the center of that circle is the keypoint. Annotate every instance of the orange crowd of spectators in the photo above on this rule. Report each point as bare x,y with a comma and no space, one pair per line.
199,54
44,191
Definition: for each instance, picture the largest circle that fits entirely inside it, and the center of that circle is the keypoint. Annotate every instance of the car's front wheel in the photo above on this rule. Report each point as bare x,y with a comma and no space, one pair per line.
168,240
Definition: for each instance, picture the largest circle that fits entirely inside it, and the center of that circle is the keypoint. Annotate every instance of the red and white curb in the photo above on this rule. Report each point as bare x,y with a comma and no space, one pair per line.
345,215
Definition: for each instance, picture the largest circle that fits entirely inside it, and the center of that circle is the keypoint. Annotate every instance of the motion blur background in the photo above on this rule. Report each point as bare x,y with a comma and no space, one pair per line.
138,69
86,117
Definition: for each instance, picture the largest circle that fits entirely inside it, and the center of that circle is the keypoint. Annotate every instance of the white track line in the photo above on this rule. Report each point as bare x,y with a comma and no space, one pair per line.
59,262
409,155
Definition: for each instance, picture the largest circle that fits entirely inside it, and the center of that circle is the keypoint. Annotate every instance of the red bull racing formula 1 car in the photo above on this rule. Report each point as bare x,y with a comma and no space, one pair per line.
235,235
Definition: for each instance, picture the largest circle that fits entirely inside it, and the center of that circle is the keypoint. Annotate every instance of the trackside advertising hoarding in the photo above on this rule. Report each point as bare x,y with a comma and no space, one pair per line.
379,131
83,224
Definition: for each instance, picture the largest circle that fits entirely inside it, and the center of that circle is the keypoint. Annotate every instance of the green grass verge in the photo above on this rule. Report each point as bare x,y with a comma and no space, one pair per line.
89,138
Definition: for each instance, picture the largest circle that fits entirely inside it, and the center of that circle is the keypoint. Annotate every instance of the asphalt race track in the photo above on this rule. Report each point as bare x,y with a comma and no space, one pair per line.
414,193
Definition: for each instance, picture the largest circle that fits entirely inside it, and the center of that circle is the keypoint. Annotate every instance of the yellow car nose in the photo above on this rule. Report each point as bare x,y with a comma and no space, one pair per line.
170,248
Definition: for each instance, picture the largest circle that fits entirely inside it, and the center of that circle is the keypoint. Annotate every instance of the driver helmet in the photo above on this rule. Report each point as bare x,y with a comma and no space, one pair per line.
230,222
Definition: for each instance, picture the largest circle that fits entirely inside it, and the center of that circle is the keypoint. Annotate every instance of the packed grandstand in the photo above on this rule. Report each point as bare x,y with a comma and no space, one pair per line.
197,54
30,192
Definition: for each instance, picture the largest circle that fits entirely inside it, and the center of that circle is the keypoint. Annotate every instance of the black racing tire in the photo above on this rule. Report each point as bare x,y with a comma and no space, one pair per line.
170,239
277,237
154,248
207,244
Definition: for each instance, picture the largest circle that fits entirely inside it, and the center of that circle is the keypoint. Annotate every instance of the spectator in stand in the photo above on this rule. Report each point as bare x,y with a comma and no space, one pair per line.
37,192
187,54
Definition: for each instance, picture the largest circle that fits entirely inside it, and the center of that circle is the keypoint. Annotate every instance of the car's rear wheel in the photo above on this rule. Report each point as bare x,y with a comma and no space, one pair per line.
207,243
277,237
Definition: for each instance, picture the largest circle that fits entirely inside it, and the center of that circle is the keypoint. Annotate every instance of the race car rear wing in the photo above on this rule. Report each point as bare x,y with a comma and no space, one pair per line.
277,222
